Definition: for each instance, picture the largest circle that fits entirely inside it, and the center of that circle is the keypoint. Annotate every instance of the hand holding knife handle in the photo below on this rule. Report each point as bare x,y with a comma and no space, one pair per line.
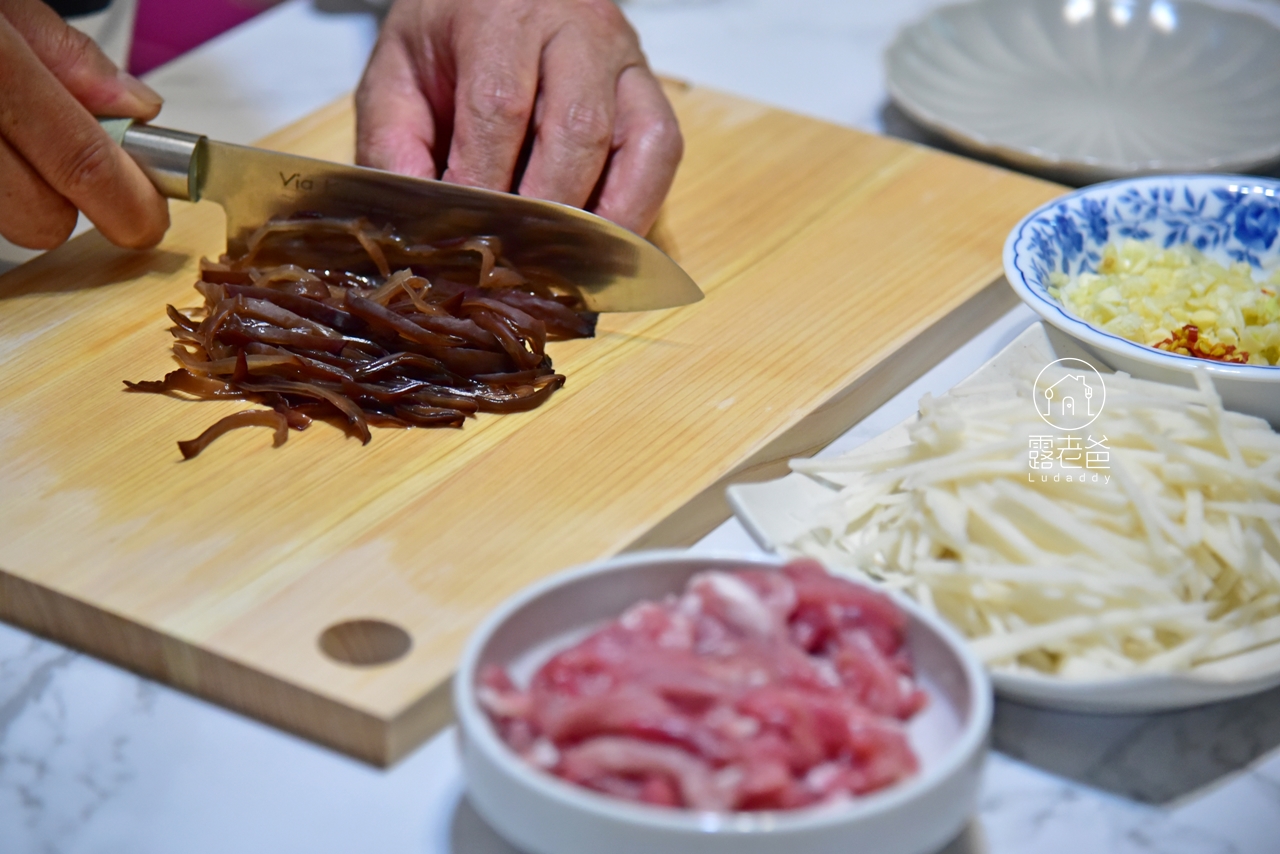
174,160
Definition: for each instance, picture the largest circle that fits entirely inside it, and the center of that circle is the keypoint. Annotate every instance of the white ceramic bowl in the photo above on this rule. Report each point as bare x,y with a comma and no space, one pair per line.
1230,217
1086,90
542,814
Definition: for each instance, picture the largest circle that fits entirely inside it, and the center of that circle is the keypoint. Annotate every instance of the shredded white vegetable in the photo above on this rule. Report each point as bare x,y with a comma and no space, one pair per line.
1148,541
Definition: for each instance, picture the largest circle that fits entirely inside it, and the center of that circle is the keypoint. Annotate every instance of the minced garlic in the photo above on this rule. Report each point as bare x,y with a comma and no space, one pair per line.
1178,300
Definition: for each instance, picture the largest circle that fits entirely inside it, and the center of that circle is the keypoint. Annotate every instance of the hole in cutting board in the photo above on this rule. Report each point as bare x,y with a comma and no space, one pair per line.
365,643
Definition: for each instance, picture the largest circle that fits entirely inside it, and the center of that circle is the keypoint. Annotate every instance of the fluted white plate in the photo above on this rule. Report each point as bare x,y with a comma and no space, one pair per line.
1087,90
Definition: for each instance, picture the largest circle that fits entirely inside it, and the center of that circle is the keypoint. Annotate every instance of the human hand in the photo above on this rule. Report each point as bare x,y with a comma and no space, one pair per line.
459,89
54,157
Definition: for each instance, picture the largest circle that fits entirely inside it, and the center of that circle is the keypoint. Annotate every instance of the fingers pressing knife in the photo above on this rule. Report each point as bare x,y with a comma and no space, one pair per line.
461,89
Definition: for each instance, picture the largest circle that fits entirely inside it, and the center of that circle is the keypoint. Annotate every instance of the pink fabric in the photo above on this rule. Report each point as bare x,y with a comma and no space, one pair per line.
166,29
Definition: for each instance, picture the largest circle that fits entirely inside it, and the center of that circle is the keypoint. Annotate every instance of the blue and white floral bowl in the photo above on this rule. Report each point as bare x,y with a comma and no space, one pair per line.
1228,217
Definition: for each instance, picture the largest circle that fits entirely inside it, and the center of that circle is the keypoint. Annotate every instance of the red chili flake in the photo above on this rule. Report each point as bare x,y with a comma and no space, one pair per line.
1186,342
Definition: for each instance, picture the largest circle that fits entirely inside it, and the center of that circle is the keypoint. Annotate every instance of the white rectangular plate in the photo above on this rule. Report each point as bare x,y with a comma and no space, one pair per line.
776,512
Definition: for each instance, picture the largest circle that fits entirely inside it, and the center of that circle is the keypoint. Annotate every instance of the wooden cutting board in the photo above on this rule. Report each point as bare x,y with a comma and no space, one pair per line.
837,267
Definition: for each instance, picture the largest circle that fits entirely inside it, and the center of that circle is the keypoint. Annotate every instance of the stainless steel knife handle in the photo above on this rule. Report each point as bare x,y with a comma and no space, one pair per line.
174,161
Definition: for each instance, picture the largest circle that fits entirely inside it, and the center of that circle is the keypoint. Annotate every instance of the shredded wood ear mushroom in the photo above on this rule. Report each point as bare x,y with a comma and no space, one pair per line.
338,320
1163,555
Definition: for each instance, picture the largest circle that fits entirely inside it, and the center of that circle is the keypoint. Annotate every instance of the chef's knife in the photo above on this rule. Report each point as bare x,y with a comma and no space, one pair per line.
614,269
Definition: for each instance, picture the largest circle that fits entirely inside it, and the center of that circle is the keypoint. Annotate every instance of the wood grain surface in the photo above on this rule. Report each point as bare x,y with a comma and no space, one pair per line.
837,267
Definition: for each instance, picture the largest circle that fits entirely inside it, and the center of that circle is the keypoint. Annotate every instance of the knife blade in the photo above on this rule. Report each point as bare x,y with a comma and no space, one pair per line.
614,269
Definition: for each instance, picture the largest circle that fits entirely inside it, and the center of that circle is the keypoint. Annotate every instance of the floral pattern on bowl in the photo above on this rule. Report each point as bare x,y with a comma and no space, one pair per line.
1241,219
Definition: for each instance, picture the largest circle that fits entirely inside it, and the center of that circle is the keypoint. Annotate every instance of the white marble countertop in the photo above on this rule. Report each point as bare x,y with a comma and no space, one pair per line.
94,759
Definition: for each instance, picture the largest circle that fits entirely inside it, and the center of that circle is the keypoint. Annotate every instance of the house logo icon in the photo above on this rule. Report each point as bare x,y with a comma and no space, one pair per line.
1069,394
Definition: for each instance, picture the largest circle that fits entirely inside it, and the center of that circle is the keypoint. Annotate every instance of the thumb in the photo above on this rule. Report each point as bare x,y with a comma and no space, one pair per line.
79,64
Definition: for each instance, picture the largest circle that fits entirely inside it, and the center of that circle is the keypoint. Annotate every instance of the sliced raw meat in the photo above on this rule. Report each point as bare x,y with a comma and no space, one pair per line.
752,690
